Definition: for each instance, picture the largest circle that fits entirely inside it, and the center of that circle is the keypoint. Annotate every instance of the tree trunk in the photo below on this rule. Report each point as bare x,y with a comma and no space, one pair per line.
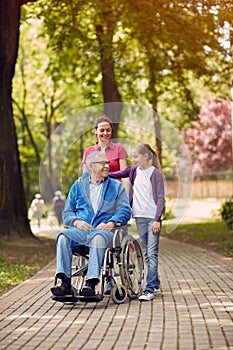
158,135
13,210
112,97
231,81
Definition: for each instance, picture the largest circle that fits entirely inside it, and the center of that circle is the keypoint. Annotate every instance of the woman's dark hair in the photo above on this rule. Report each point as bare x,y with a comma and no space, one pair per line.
144,148
103,119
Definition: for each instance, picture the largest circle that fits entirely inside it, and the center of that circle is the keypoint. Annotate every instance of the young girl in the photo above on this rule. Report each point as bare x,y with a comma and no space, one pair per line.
147,201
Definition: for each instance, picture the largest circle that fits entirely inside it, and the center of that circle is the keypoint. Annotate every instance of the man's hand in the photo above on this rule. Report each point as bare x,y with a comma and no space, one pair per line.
109,226
156,227
82,225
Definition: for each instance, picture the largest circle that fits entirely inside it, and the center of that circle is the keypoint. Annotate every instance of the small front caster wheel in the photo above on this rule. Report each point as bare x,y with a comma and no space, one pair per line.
119,294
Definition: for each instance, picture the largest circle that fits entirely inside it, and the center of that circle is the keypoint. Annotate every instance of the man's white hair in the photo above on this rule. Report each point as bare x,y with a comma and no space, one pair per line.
93,156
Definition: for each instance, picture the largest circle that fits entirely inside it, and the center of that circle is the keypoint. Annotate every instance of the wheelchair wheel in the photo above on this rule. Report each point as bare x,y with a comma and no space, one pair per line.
79,270
132,266
119,294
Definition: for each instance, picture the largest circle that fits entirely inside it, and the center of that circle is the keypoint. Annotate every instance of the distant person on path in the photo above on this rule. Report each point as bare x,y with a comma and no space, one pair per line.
148,202
58,206
37,208
93,207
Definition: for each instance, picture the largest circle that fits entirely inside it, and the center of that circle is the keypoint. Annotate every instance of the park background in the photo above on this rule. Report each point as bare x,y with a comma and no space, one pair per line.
61,58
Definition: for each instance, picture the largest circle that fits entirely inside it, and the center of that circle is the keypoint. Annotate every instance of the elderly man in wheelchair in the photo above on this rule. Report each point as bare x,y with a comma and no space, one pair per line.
95,206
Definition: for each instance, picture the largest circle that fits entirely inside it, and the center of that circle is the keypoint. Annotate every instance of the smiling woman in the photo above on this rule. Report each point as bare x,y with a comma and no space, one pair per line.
115,152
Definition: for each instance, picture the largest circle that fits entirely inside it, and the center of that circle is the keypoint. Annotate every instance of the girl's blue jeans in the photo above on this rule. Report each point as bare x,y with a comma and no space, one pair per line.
96,240
150,244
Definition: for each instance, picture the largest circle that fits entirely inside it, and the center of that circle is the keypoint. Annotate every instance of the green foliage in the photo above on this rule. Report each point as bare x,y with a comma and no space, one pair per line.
168,215
226,212
152,53
44,96
156,64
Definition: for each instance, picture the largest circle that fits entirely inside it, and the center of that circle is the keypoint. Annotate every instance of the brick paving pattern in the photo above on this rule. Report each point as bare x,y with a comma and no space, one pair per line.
194,311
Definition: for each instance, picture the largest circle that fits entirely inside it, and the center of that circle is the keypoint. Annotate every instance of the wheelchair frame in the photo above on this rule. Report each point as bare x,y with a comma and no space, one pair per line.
123,265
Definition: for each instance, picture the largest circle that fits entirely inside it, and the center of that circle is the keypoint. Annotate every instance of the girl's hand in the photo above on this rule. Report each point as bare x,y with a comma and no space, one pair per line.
156,227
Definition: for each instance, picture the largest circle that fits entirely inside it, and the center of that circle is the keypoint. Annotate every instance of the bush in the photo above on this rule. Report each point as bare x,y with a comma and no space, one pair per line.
168,214
226,212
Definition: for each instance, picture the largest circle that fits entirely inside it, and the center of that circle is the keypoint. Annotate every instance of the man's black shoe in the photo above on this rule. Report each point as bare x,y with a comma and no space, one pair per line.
87,291
62,290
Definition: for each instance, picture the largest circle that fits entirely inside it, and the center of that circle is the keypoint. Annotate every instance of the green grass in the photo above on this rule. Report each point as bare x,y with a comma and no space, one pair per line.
13,273
23,260
212,234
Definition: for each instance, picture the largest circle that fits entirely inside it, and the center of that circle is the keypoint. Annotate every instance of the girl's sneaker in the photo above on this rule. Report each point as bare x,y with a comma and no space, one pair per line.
156,291
146,296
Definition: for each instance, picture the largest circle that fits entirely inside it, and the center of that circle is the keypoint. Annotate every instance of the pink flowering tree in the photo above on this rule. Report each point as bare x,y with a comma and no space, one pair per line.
209,138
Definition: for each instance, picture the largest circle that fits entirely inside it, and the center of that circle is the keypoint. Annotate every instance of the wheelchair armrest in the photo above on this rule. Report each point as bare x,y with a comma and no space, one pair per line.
119,224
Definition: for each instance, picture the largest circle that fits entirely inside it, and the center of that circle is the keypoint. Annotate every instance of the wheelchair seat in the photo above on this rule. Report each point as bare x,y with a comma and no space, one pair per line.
82,250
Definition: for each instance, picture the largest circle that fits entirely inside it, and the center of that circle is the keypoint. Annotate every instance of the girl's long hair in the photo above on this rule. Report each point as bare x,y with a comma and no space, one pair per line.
145,148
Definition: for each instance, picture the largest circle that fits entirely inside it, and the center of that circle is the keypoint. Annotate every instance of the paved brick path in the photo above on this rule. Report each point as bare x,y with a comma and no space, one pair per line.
195,310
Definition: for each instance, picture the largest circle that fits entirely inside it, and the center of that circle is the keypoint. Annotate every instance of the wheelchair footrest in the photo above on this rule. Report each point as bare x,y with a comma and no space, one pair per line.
65,298
90,299
75,298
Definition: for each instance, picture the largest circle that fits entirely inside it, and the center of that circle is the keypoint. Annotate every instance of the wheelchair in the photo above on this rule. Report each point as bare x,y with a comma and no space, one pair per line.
123,266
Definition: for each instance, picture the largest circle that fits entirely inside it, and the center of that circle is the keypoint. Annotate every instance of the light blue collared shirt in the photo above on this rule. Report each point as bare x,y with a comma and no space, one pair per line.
95,192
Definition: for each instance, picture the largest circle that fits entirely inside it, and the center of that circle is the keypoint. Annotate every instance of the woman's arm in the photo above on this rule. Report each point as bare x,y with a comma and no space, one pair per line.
85,168
126,182
122,163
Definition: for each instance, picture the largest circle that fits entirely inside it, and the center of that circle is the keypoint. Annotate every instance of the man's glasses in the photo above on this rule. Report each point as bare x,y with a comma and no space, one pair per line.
103,163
